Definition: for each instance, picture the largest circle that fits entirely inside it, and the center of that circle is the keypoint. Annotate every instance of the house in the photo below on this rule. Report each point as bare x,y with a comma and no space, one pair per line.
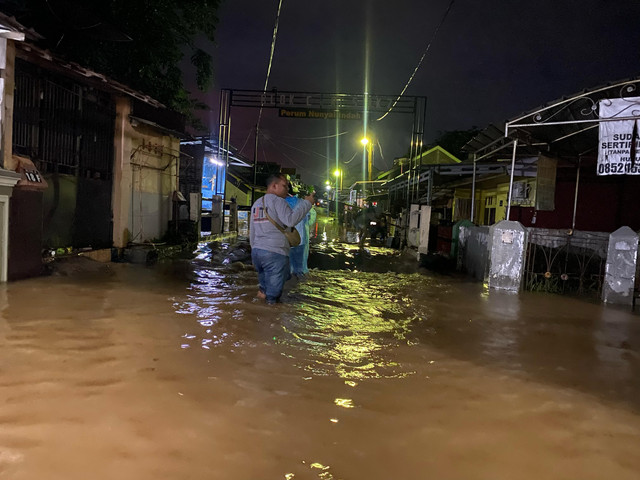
554,150
560,183
9,31
103,159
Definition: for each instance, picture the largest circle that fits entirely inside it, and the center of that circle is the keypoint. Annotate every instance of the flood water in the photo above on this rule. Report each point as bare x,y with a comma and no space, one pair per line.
379,371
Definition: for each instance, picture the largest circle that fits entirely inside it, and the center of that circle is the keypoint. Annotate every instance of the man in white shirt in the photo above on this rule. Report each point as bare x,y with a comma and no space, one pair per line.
269,246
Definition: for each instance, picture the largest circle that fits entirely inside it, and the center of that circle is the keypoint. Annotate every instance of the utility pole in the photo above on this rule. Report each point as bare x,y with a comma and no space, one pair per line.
255,168
370,161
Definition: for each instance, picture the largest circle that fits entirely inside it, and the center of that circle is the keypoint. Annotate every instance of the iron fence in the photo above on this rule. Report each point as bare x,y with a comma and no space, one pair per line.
62,126
566,262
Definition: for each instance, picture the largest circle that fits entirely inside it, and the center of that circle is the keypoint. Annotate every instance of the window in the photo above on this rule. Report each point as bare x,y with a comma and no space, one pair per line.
489,210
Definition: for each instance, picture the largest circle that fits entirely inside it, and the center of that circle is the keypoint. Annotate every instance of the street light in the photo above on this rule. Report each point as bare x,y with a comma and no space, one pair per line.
368,145
338,175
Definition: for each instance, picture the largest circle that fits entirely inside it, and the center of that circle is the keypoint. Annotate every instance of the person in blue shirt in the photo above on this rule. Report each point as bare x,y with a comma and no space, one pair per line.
299,256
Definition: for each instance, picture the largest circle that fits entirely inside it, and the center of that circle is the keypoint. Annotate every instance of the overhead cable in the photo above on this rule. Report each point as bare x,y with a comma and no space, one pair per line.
296,164
351,159
317,138
420,62
273,48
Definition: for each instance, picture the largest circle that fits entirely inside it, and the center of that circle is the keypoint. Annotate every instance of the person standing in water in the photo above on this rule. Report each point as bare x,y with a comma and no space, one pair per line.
299,256
269,246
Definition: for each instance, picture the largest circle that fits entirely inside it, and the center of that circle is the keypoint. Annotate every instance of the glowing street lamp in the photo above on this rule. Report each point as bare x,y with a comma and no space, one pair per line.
338,174
368,145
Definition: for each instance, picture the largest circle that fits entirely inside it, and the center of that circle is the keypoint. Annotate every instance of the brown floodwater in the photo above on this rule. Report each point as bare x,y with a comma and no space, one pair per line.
177,372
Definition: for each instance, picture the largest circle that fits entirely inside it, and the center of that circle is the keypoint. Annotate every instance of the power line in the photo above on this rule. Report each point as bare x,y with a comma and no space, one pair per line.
351,159
296,164
386,164
246,140
273,48
304,151
317,138
420,62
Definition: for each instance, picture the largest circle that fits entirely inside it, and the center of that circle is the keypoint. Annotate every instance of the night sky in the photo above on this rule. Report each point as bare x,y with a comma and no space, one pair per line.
490,61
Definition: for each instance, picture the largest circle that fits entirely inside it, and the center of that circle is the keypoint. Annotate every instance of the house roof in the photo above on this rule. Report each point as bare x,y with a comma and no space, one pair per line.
566,127
33,53
437,156
12,29
211,148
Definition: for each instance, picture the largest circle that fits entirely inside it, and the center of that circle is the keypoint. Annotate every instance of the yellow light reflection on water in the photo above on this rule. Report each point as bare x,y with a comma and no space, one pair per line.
344,402
347,323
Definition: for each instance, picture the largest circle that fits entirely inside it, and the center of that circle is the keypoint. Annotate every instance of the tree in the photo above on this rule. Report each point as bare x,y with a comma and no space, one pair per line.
138,42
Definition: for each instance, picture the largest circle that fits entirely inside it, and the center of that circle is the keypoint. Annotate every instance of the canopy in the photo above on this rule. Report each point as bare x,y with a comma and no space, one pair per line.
566,128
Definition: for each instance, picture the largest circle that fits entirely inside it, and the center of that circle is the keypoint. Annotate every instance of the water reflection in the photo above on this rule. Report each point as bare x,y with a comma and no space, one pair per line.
343,323
347,323
359,375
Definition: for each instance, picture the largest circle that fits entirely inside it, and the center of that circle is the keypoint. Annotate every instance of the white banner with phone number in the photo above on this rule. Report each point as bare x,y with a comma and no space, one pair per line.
614,151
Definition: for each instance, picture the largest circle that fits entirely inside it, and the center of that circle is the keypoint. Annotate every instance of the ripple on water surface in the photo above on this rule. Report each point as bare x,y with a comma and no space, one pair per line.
340,323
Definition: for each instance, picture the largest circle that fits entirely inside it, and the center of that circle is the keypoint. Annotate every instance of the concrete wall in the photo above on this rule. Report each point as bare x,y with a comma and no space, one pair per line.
6,104
413,233
241,197
473,251
425,225
59,210
25,234
145,177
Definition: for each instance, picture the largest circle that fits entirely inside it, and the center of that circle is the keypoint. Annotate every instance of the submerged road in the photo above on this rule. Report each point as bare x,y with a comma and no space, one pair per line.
379,371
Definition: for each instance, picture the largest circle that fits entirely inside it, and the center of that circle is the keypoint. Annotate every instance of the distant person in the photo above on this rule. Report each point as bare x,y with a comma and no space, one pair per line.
299,256
363,221
269,246
381,229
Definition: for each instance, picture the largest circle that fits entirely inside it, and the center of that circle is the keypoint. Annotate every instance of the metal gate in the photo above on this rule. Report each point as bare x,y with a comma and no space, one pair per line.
566,262
67,129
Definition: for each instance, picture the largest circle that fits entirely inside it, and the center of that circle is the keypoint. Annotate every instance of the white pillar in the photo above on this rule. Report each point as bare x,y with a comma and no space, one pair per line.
425,225
7,181
121,200
507,244
620,270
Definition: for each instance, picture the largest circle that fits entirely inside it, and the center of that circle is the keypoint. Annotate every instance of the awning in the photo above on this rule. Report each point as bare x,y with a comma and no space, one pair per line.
565,128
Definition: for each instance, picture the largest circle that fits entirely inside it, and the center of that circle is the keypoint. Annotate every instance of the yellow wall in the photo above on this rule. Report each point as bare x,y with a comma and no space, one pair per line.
499,196
241,197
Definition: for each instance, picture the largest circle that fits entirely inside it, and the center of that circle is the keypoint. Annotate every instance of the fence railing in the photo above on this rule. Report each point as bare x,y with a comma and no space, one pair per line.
566,262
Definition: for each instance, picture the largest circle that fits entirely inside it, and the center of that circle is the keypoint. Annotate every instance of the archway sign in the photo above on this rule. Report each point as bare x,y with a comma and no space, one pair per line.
323,106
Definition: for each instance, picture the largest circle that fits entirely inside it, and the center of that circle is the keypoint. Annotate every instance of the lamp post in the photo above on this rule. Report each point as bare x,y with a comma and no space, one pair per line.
369,148
368,145
338,174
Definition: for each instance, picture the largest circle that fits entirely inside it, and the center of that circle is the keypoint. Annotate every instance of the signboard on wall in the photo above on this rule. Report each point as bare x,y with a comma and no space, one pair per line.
619,148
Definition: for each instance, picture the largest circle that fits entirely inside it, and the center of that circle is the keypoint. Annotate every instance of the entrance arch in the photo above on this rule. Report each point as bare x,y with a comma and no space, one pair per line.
323,106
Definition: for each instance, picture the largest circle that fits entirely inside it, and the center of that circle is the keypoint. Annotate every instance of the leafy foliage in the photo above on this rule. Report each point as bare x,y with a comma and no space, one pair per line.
141,43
